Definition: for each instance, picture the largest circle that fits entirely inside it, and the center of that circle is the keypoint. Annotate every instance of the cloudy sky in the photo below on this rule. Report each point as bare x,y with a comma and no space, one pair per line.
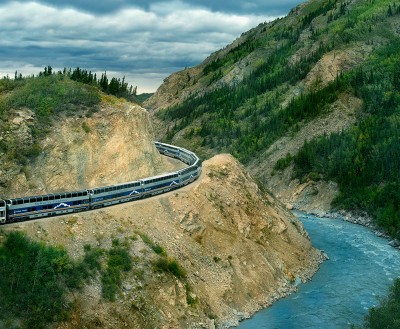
143,40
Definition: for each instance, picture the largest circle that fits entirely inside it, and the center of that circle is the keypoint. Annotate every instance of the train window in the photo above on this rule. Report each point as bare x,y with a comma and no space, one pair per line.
68,195
46,198
20,201
32,200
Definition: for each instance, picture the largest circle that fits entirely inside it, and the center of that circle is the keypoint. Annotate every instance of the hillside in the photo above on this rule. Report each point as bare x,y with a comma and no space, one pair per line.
204,256
237,248
309,101
70,136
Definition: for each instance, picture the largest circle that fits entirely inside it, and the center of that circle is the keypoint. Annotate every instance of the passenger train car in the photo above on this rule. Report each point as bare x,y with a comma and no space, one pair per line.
19,209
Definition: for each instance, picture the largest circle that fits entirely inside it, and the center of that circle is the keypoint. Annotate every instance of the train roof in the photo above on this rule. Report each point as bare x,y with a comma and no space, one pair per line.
48,195
115,185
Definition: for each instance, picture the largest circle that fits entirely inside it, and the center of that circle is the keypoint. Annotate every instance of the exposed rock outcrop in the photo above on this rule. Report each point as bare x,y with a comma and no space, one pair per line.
113,145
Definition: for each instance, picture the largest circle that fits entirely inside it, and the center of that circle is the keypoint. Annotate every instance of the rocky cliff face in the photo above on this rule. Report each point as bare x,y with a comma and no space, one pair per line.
113,145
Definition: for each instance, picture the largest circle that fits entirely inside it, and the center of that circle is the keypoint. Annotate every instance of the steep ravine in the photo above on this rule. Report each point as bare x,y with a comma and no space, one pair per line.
240,248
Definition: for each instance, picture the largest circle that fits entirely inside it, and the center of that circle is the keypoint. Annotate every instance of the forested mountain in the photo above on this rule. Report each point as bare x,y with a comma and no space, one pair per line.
281,76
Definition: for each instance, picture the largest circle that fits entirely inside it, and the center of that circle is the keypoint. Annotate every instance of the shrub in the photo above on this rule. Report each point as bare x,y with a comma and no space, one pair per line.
283,163
119,260
162,264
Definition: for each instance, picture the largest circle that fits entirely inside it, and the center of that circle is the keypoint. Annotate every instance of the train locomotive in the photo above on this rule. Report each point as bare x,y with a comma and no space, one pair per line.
32,207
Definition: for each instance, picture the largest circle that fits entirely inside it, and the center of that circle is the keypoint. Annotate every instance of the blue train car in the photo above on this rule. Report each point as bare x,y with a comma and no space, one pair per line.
187,157
31,207
109,195
160,184
168,150
46,205
188,175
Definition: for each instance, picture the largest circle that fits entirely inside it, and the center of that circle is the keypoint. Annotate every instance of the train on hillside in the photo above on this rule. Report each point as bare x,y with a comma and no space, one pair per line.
33,207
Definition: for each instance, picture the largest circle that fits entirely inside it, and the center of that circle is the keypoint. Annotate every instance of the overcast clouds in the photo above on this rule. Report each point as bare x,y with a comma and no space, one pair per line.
144,40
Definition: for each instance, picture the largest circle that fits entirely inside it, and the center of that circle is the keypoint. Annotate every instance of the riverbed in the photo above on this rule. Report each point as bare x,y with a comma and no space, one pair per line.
361,267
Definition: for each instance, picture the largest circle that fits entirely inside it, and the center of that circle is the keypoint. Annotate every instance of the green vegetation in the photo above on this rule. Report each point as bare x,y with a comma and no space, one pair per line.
387,313
232,118
118,261
35,281
163,263
365,160
156,247
283,163
116,87
170,265
245,118
143,97
51,96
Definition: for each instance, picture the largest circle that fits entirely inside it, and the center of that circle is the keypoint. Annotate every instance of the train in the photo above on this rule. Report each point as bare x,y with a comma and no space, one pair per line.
33,207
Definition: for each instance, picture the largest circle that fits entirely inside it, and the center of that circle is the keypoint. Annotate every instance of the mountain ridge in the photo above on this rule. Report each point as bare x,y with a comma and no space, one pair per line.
290,73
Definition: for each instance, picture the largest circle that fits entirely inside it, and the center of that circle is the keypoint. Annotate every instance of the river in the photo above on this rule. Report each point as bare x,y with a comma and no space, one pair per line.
360,268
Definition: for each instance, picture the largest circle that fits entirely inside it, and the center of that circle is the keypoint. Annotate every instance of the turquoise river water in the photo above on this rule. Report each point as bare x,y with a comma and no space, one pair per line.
361,267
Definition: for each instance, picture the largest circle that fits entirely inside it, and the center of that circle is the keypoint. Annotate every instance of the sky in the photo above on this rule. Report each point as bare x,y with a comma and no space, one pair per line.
145,41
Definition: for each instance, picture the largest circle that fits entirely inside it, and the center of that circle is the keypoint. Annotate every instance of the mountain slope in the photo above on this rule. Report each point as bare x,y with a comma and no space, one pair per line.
280,80
202,256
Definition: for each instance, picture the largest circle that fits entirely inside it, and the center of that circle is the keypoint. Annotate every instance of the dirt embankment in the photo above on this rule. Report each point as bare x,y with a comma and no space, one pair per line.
241,250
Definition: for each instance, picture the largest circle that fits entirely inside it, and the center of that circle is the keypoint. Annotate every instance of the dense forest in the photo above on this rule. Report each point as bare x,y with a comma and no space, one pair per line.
365,160
245,118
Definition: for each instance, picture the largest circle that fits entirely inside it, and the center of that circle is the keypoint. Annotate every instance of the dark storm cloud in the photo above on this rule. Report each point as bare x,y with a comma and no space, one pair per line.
146,41
271,7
